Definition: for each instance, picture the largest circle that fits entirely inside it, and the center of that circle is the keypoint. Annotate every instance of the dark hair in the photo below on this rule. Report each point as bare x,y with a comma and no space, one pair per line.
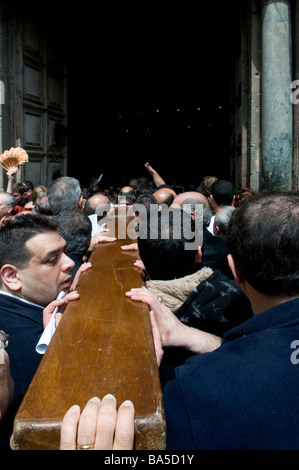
19,188
143,190
127,196
75,227
168,200
162,245
29,185
145,200
223,192
263,239
16,232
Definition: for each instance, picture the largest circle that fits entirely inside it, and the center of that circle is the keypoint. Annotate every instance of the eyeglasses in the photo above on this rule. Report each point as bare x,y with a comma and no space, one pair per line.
4,340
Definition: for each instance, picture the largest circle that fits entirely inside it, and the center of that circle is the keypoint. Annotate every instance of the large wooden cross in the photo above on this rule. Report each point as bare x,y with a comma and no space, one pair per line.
103,344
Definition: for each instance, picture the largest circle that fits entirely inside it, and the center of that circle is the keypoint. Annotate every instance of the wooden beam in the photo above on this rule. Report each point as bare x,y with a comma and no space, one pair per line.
103,344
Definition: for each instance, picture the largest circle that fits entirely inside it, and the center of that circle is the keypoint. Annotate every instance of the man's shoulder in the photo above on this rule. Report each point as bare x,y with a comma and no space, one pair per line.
16,307
289,306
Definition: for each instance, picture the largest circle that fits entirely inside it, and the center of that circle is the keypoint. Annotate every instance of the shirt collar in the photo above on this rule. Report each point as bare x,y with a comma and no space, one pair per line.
281,315
21,299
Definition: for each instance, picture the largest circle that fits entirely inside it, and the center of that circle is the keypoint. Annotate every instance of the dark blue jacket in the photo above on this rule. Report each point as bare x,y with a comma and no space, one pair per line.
244,395
24,324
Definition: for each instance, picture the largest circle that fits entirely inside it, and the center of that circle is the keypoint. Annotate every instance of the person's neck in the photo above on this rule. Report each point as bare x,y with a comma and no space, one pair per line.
16,295
262,302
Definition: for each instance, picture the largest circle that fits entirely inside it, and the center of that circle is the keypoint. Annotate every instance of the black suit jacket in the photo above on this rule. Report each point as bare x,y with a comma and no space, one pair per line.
215,253
24,324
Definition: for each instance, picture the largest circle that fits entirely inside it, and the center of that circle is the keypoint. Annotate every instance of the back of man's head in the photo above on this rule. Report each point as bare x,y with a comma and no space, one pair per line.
29,185
42,205
16,232
98,199
199,206
222,192
206,184
163,244
164,195
222,219
75,227
126,195
64,194
143,204
263,241
7,199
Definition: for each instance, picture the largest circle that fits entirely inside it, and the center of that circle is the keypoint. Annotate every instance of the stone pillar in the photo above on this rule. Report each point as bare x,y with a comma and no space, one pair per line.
276,104
254,90
294,90
4,101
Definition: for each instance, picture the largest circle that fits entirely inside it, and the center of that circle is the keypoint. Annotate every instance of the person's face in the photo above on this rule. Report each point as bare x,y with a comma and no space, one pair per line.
48,271
4,210
18,197
143,182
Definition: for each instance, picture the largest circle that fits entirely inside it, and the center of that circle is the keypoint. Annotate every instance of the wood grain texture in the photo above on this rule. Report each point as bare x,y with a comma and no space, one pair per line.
103,344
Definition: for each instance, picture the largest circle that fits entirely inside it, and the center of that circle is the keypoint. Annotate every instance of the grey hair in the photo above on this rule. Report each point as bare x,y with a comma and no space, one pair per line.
206,211
10,199
223,217
64,194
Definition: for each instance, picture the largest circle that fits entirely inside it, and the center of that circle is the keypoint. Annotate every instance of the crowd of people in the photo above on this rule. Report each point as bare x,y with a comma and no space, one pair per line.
224,314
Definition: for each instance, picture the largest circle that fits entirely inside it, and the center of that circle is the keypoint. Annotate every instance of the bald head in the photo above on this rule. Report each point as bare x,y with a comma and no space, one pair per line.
165,196
126,195
94,201
188,201
181,198
126,189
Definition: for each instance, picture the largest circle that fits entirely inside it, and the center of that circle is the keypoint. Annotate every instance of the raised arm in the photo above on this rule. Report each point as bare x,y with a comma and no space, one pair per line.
158,180
11,176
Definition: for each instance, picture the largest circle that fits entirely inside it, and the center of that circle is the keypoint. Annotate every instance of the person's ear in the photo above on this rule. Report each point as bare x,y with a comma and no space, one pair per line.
198,255
27,193
211,200
10,277
238,277
216,230
80,203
